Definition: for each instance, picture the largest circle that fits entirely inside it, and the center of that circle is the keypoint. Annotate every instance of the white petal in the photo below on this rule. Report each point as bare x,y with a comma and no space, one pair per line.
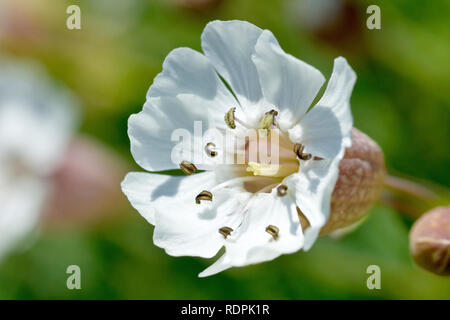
288,83
326,128
229,45
217,267
187,90
20,208
312,188
184,228
320,132
139,188
188,72
314,184
337,96
252,244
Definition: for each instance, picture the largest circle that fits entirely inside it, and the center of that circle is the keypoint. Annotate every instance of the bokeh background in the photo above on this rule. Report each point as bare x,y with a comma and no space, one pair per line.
401,99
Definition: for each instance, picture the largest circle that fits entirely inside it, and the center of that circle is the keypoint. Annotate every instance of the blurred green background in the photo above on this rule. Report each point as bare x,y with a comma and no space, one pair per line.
401,99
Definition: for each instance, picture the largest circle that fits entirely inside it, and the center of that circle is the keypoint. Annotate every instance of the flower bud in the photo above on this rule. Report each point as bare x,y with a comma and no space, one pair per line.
429,241
361,176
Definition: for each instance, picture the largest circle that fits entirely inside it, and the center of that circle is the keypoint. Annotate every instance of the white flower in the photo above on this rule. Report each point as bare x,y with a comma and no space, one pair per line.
253,212
36,121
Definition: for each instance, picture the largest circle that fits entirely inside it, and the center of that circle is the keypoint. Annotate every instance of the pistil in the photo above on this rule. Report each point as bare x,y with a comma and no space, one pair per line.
272,170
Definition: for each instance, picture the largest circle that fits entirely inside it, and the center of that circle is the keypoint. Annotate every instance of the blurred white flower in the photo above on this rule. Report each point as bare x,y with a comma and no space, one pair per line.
36,122
252,208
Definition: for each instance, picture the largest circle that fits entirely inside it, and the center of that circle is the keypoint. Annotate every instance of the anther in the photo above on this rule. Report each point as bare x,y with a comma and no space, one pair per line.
225,231
282,190
298,150
204,195
273,231
229,118
267,120
210,149
187,167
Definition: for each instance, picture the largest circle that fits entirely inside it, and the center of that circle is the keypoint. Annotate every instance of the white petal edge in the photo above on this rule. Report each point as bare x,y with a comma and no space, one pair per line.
314,185
139,187
337,96
326,128
288,83
320,132
187,90
217,267
229,46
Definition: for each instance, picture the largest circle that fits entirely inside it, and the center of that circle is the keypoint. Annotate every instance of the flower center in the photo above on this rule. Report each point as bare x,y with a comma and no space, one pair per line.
264,157
270,154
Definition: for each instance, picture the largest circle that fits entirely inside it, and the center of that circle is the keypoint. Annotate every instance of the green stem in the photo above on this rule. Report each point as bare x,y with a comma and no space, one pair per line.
412,197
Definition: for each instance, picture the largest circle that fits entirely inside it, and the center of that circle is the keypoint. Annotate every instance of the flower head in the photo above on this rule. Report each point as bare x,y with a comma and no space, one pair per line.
36,121
266,157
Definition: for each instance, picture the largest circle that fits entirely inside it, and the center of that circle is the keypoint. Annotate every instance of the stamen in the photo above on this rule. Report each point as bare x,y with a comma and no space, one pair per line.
188,167
282,190
298,150
204,195
263,169
267,121
305,156
242,123
210,149
273,231
229,118
225,231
